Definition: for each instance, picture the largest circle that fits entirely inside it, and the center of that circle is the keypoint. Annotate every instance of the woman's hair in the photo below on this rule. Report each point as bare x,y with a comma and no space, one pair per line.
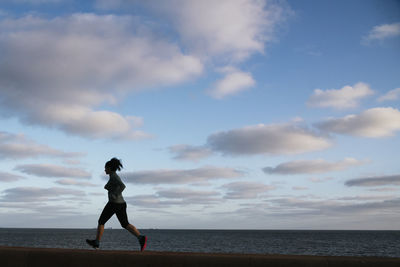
114,164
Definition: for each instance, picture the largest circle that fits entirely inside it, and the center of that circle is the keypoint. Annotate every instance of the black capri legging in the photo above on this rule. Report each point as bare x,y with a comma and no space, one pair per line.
114,208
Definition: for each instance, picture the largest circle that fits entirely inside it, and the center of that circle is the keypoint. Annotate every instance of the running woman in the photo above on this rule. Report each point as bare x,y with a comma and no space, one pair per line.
116,205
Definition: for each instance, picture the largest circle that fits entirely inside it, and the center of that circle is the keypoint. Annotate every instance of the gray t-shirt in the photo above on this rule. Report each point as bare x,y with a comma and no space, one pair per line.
115,187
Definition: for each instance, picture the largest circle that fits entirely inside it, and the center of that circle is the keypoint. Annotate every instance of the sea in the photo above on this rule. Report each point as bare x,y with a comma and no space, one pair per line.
285,242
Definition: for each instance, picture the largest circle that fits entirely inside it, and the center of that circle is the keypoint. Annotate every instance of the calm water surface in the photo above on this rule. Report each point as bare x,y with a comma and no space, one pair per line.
294,242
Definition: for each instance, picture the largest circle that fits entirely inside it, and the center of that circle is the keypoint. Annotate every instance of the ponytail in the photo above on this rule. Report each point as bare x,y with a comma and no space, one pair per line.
114,164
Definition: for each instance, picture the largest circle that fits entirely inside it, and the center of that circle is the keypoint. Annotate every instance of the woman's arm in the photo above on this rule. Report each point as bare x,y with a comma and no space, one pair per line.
115,185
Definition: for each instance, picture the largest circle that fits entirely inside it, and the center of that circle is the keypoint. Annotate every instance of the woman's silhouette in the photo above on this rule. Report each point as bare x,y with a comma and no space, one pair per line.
116,205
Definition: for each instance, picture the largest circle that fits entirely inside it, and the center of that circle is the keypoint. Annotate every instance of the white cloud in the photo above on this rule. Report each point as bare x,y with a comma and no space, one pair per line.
223,32
50,170
374,123
267,139
346,97
18,146
382,32
231,84
226,32
187,152
232,28
246,190
312,166
167,176
375,181
57,73
390,96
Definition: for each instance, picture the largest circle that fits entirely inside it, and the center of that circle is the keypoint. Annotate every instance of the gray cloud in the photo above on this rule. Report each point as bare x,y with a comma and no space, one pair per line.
191,153
181,176
9,177
267,139
18,146
36,194
340,207
176,197
320,180
312,166
312,212
56,73
246,190
152,201
374,123
385,189
299,188
185,193
50,170
375,181
75,183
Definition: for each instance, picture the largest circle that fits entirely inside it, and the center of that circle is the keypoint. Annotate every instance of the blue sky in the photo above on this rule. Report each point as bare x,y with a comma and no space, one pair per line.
226,114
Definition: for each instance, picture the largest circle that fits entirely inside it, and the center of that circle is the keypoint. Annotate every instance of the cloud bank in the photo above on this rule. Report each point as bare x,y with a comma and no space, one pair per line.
58,72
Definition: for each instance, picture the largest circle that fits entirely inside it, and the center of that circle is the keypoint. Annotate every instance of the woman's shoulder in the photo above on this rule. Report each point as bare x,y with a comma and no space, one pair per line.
115,176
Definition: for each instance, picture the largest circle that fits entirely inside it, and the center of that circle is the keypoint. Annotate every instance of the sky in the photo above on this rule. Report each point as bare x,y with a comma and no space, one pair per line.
231,114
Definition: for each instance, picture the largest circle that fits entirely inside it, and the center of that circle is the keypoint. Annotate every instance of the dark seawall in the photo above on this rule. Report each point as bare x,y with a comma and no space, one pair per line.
43,257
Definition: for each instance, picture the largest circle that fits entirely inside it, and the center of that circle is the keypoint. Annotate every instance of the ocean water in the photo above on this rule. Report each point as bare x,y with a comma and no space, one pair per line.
293,242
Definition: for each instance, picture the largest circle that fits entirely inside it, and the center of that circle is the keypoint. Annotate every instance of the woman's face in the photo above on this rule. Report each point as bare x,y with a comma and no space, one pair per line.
107,170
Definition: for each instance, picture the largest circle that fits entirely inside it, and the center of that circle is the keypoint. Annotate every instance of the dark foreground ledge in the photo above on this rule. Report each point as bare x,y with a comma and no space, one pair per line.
43,257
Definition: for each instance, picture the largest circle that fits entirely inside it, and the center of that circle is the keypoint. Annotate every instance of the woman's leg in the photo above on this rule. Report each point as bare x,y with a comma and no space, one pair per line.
100,231
106,214
132,229
123,219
